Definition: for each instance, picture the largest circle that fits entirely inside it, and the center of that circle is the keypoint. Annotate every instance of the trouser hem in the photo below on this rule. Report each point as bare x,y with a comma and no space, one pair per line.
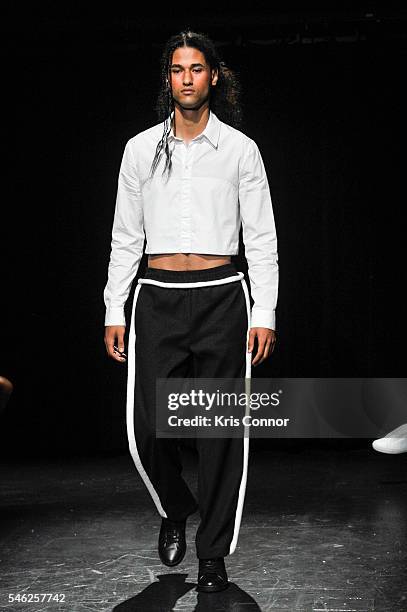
207,554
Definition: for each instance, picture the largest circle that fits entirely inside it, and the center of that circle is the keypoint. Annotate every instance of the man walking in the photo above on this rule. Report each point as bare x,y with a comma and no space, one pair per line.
186,185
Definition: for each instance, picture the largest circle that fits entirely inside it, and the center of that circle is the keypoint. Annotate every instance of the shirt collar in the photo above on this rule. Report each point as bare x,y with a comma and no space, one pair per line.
211,131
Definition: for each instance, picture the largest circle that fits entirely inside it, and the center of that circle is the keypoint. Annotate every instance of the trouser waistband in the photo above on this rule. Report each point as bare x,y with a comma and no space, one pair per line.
191,276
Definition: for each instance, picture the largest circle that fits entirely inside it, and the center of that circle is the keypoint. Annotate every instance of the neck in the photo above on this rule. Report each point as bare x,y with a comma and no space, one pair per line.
190,122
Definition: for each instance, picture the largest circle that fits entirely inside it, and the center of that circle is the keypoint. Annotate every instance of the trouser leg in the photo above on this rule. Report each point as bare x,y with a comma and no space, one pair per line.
219,351
161,352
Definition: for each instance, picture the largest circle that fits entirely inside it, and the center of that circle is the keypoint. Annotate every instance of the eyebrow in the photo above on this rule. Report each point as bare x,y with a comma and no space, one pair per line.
192,65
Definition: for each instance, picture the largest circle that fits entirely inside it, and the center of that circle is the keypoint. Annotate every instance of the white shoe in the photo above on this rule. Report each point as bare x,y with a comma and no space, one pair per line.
394,442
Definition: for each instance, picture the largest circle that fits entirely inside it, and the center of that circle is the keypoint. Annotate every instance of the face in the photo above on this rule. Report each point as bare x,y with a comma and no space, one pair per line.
189,70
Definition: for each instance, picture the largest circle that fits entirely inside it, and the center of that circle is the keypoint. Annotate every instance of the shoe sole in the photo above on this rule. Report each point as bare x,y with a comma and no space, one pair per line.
388,451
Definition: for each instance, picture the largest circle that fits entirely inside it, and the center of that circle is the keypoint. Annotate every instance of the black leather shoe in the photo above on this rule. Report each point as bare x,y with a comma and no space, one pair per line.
171,542
212,575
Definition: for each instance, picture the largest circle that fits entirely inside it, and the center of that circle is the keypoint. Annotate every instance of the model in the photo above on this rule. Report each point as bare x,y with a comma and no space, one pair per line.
186,186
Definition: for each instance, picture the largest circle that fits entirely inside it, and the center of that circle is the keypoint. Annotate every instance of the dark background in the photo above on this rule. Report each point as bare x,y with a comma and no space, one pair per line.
324,98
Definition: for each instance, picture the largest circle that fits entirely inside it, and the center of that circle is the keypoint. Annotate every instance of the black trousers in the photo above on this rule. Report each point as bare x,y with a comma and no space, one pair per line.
189,324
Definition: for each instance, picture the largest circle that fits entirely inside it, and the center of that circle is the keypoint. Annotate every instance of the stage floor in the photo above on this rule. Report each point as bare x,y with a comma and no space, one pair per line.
322,530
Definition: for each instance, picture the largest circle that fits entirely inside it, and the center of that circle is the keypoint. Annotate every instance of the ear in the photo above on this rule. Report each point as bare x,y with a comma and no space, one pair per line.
215,77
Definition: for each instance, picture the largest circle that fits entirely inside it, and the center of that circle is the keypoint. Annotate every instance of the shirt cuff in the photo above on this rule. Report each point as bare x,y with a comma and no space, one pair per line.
262,317
115,316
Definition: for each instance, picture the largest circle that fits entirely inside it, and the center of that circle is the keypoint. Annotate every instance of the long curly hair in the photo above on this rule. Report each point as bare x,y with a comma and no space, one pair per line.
224,100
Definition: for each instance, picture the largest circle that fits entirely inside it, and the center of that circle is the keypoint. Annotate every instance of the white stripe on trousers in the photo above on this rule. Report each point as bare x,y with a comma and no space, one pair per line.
131,369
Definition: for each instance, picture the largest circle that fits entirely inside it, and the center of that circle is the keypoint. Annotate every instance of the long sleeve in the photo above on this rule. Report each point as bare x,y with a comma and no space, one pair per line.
127,240
259,236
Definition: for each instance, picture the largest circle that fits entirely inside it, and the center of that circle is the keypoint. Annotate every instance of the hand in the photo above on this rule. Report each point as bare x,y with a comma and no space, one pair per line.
114,335
266,340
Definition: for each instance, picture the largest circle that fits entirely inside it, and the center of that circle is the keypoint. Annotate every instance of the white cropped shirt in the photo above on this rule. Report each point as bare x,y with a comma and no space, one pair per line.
218,183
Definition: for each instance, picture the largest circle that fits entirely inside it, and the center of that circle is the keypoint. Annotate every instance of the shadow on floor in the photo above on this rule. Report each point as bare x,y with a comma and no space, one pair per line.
162,596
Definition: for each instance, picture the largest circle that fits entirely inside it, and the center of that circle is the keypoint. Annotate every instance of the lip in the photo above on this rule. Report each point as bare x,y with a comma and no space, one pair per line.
187,91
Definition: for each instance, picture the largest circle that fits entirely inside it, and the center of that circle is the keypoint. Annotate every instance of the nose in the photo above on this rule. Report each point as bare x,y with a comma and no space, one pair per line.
187,80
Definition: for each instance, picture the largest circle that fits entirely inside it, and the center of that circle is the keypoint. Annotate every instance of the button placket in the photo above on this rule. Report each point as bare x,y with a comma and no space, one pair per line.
187,156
